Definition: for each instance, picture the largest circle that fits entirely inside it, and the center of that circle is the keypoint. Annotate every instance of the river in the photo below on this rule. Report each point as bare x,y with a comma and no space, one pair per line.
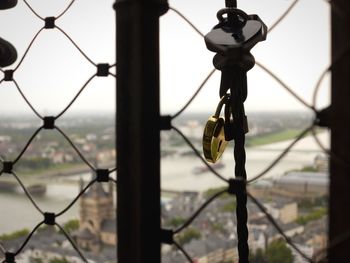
16,211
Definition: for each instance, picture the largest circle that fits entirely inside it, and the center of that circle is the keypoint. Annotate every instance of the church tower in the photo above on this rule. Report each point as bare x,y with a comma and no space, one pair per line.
97,217
96,205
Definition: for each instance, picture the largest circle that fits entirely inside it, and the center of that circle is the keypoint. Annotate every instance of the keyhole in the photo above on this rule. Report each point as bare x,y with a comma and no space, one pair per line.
219,145
238,36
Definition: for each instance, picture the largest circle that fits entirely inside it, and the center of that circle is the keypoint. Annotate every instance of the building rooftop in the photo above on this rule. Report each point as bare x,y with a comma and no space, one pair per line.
311,178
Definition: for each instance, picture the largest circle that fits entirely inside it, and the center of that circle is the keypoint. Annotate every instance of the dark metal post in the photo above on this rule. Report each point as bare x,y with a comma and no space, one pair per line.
340,127
138,135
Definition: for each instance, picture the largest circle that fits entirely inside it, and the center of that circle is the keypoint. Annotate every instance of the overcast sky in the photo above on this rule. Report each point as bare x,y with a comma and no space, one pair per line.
53,72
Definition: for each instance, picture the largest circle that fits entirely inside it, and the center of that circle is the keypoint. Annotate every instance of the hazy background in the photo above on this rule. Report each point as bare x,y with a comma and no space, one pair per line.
53,72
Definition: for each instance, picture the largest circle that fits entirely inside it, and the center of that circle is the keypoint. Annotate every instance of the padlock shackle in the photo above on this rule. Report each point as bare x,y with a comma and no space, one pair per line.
231,11
227,113
224,100
232,4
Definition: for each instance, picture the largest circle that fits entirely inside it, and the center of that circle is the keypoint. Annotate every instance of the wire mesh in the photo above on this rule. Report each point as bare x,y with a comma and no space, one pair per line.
308,130
8,166
102,70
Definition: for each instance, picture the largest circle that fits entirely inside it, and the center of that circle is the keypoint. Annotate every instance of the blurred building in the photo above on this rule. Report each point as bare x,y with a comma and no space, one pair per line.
97,219
304,182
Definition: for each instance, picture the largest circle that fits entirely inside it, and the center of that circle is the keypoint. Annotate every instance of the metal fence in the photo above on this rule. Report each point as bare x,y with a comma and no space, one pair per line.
320,119
140,164
49,123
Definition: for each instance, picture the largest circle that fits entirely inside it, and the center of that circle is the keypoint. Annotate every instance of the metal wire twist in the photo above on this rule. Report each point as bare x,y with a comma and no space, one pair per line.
241,210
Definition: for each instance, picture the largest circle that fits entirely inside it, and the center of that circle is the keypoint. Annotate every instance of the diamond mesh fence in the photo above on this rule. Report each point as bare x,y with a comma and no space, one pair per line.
234,186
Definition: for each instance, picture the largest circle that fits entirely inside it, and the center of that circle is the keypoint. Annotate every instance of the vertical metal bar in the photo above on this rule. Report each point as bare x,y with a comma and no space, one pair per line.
231,3
340,145
138,135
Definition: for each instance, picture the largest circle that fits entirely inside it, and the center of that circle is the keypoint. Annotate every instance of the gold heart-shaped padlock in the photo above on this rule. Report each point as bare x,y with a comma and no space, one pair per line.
214,142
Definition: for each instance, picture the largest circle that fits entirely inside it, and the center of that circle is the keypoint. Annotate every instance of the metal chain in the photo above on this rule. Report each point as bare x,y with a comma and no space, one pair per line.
240,172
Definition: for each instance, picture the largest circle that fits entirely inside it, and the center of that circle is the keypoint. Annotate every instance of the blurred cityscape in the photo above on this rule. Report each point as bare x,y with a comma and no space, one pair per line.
296,195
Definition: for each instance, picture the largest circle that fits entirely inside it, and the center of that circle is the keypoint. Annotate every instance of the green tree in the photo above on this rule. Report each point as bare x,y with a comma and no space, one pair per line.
14,235
59,260
212,191
314,215
217,227
258,256
277,252
71,225
176,221
230,206
36,260
188,235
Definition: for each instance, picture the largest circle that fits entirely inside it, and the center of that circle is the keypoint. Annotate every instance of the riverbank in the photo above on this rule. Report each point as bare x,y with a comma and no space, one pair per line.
274,137
176,172
64,170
